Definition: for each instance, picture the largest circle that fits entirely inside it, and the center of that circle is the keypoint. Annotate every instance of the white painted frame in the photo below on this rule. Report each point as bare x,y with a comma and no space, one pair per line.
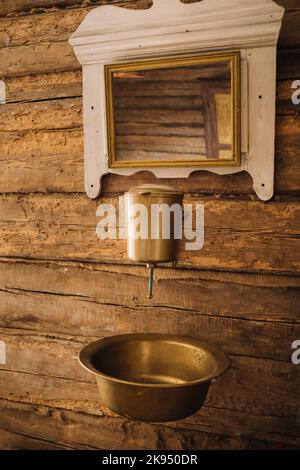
113,35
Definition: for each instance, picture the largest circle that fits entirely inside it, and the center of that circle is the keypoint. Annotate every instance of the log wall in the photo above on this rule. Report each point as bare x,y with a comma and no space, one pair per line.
60,287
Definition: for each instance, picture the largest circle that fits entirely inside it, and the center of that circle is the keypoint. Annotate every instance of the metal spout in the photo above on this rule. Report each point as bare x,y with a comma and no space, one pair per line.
150,266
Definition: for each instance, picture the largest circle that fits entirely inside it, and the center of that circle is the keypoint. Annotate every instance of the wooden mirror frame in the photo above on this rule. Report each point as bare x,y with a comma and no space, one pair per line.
115,35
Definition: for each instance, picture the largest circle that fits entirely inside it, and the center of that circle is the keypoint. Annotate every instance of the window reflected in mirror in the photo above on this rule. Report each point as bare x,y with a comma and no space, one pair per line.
177,112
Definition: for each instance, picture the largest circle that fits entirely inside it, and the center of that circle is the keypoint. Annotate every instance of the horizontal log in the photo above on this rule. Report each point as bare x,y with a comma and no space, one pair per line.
159,116
22,60
137,147
54,114
140,129
23,7
117,319
45,158
53,162
218,73
67,113
64,299
59,25
69,84
42,160
33,144
176,103
159,153
59,57
64,227
44,370
20,48
288,63
268,429
164,89
44,86
290,34
119,289
55,26
84,431
17,441
255,304
288,4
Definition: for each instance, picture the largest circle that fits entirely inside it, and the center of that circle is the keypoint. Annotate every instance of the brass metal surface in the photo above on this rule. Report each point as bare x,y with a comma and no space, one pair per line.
153,377
172,62
152,250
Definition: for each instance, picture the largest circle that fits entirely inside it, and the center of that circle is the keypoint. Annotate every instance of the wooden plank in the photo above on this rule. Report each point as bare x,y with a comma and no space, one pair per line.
274,430
64,227
67,113
181,321
23,7
45,157
43,369
179,147
138,129
69,84
59,24
288,4
40,144
176,103
37,6
22,60
55,26
17,441
44,86
165,88
18,56
85,431
241,390
75,300
288,63
99,287
42,161
186,117
290,32
82,430
43,115
53,162
103,296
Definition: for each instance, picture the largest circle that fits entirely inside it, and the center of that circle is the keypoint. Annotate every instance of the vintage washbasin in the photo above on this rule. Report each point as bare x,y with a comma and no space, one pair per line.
153,377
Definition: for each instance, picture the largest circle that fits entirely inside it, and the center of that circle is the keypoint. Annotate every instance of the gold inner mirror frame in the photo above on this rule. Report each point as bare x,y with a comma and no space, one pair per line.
174,112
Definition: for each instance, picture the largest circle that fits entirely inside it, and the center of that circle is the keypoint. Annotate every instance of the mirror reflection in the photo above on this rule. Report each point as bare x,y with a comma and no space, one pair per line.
180,112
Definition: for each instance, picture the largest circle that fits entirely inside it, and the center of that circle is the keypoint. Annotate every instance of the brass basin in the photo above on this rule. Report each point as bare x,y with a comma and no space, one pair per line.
153,377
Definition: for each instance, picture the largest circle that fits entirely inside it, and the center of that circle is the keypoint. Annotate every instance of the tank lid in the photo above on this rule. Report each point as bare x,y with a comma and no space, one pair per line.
154,190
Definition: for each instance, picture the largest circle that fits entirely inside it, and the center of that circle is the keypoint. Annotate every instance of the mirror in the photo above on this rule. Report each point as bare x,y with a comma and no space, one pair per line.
174,112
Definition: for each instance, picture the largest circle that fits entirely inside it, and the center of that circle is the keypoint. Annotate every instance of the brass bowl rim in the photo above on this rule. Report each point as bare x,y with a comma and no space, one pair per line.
223,361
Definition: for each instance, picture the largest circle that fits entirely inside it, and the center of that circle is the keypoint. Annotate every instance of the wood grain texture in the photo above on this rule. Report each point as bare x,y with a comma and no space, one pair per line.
86,312
82,431
265,237
52,30
241,292
29,7
18,441
253,387
53,309
58,22
67,290
44,87
42,143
